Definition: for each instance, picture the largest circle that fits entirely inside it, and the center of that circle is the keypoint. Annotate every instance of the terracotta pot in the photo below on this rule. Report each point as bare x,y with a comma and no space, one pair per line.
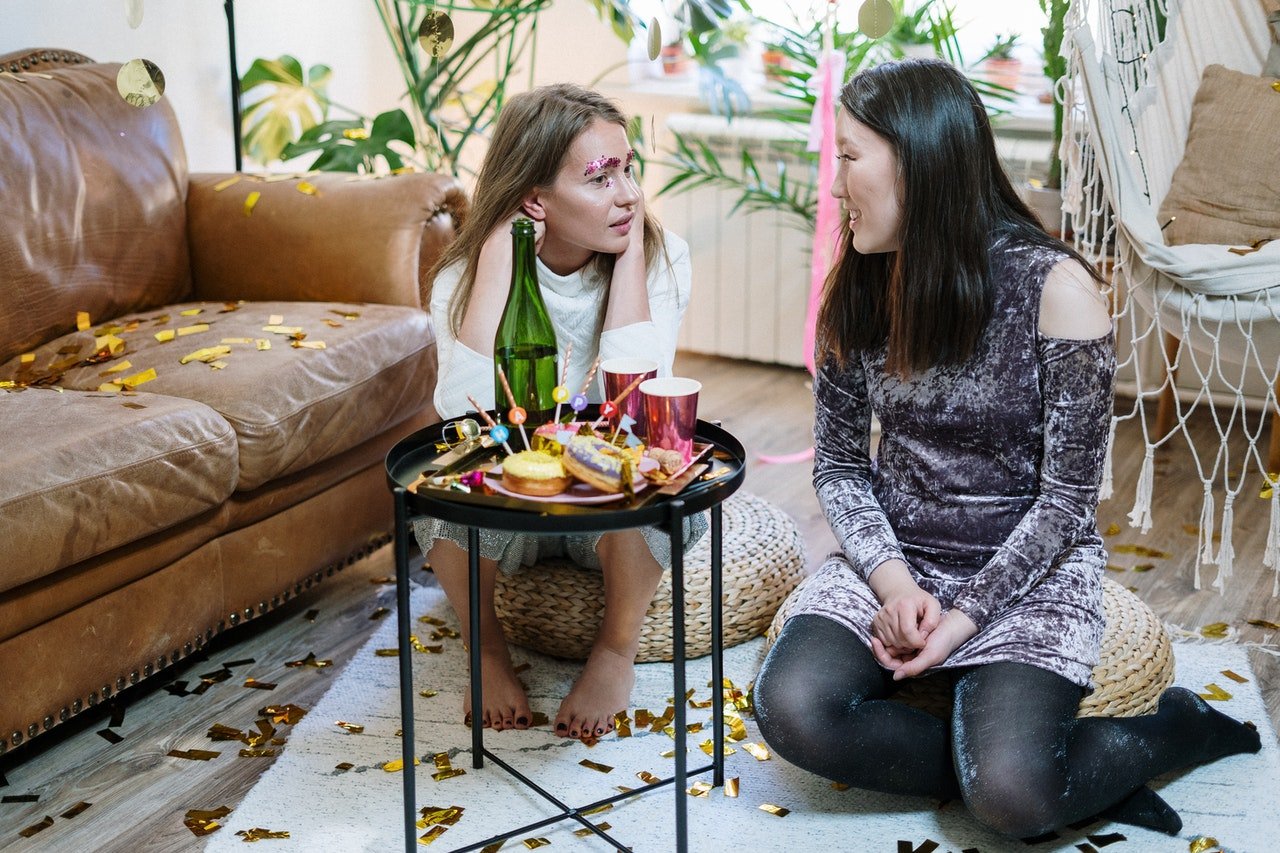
674,60
773,61
1003,72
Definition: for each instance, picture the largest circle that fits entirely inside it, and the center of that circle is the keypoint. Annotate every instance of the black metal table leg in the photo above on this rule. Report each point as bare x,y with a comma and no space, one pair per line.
473,606
717,647
406,664
676,527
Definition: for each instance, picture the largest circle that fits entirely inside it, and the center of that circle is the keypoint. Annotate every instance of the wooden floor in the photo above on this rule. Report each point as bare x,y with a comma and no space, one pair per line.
139,795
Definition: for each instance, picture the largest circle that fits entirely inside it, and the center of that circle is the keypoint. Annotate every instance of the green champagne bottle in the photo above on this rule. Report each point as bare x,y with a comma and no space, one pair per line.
525,345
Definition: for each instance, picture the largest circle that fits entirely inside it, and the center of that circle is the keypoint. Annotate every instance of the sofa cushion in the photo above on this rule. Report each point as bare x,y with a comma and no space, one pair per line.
92,204
87,472
290,406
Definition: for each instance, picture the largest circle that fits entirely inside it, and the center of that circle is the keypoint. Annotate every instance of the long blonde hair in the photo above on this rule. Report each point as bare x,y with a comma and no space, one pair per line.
534,134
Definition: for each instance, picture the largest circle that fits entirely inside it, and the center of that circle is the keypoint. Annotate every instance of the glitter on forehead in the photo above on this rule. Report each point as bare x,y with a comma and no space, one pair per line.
601,162
631,155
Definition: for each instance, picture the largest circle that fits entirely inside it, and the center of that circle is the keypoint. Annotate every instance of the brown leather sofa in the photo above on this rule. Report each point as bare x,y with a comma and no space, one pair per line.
135,524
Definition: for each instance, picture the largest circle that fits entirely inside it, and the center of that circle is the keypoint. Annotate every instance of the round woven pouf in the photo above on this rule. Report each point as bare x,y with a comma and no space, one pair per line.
555,607
1136,662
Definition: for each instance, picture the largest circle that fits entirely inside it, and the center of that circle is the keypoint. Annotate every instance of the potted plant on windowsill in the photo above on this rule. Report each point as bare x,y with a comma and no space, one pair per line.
1046,200
1000,65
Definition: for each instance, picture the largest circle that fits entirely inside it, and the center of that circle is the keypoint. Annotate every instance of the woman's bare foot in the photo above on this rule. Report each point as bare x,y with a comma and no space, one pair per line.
603,689
505,704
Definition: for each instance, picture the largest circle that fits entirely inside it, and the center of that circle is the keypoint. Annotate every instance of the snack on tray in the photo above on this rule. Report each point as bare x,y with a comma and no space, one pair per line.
595,462
532,472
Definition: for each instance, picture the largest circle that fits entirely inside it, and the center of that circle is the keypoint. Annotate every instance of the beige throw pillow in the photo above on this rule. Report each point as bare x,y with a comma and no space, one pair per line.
1227,187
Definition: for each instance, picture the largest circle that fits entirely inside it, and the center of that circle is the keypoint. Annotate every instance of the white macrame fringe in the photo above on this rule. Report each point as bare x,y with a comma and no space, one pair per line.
1206,527
1104,492
1271,554
1226,553
1141,514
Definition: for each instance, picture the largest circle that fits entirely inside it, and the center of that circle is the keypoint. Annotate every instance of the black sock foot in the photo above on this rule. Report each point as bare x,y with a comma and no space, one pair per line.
1217,734
1145,808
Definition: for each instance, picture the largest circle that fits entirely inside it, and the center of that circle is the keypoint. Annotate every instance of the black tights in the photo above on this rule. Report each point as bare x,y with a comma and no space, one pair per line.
1015,751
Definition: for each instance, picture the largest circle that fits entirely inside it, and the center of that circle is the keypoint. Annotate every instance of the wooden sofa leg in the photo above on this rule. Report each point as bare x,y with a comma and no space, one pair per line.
1165,412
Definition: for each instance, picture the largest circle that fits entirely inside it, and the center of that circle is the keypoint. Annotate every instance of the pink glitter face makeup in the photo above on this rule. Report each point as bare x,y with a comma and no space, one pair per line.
602,163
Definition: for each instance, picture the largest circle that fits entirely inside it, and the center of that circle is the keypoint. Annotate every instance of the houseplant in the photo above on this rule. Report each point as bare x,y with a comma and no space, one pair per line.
1046,200
1000,64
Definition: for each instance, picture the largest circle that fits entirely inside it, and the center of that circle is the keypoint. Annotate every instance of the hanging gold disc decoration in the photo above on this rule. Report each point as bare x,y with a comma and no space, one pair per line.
140,82
655,39
133,13
875,18
435,33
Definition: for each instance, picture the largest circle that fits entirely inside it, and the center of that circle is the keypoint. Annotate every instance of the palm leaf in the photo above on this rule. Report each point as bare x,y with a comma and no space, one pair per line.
291,103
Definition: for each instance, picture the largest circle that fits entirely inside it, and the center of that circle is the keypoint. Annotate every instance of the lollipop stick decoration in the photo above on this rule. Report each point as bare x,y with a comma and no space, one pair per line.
496,431
609,408
591,374
560,393
517,414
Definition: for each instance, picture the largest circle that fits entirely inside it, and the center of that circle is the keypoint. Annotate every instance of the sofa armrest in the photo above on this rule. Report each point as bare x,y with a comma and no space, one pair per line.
322,237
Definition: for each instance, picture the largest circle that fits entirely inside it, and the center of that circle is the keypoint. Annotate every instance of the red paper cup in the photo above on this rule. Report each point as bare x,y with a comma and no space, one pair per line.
617,374
672,409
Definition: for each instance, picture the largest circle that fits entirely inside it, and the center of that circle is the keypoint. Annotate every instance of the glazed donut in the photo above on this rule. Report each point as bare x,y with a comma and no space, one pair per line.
595,462
532,472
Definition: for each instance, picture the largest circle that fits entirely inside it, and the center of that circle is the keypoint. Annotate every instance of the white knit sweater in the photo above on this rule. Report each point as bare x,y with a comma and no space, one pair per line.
576,305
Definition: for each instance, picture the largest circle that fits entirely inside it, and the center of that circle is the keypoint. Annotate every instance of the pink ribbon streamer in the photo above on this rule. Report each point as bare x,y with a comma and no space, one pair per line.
822,138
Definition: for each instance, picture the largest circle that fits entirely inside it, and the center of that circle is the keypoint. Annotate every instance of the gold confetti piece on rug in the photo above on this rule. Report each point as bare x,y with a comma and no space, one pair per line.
228,182
643,718
263,344
708,746
1215,630
699,789
693,728
288,714
257,752
36,827
119,368
1111,567
193,329
258,833
82,321
442,761
779,811
1112,529
379,612
1141,551
250,202
524,667
535,843
731,787
354,728
598,809
670,753
737,729
277,329
260,685
1214,693
670,731
429,650
494,847
840,786
705,703
1202,844
1263,623
386,653
757,750
448,774
1144,567
190,312
621,725
624,789
427,694
1237,678
1191,529
431,620
589,741
75,810
397,764
193,754
165,335
585,831
443,815
139,378
648,778
343,767
539,719
310,660
307,188
432,834
205,354
593,765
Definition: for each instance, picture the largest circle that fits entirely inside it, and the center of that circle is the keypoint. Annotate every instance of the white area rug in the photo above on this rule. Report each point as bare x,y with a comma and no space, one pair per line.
1233,800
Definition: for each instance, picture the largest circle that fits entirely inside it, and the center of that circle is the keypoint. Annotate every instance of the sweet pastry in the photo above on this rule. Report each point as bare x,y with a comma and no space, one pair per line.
532,472
595,462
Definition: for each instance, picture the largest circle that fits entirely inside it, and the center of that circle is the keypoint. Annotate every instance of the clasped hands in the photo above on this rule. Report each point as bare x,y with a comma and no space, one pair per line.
910,633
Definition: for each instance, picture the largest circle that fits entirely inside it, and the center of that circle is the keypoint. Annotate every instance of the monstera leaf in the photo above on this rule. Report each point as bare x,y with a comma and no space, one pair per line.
292,103
349,146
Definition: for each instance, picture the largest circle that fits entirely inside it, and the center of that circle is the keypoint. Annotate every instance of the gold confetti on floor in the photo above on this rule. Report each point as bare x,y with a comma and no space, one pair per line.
193,754
699,789
310,660
354,728
1113,529
432,834
1237,678
757,750
778,811
75,810
250,202
427,694
1202,844
1263,623
598,809
259,685
202,822
731,787
648,778
594,765
1141,551
260,834
343,767
1215,630
443,815
37,827
397,764
585,831
287,714
1214,693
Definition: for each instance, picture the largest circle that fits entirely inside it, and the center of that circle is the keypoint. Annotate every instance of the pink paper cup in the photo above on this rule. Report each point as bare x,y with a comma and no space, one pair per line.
672,409
617,374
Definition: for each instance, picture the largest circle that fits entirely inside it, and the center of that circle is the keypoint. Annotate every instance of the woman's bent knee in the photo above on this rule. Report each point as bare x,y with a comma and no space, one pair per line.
1014,805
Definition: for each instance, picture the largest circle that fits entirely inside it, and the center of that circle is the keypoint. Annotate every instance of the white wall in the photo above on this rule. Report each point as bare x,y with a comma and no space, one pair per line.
187,40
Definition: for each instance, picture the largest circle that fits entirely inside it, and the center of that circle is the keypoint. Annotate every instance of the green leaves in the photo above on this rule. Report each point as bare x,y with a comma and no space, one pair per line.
291,103
349,146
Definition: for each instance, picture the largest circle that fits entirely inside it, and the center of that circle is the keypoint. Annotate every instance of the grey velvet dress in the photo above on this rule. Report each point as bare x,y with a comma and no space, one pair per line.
985,483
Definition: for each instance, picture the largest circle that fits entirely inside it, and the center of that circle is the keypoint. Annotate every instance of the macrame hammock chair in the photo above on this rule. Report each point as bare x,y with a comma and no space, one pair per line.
1213,314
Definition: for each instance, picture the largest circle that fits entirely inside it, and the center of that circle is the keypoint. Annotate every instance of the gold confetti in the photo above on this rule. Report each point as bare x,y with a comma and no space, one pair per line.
259,752
165,335
379,612
119,368
839,786
1141,551
386,653
1238,679
430,650
441,775
250,202
397,764
332,324
27,358
277,329
228,182
442,815
262,344
194,329
343,767
260,685
201,822
1263,623
1202,844
1114,568
693,728
139,378
432,834
598,809
287,714
82,321
1215,630
207,355
731,787
705,703
1275,84
1144,567
190,312
1214,693
220,732
354,728
737,729
258,833
37,827
75,810
275,319
1112,529
431,620
643,718
310,660
531,843
779,811
585,831
757,750
708,746
441,760
592,765
427,694
699,789
648,778
193,754
494,847
307,188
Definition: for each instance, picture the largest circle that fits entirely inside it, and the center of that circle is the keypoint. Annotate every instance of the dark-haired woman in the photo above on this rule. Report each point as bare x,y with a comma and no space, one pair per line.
985,348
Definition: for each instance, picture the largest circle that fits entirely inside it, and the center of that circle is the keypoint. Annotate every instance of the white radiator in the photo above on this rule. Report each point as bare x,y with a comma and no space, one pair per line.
750,270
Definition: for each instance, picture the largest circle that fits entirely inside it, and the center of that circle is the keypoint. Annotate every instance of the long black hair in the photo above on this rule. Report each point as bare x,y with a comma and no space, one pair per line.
928,302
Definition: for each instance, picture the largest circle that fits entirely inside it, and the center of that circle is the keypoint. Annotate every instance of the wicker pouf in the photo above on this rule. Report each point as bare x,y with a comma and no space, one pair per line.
1136,661
555,607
